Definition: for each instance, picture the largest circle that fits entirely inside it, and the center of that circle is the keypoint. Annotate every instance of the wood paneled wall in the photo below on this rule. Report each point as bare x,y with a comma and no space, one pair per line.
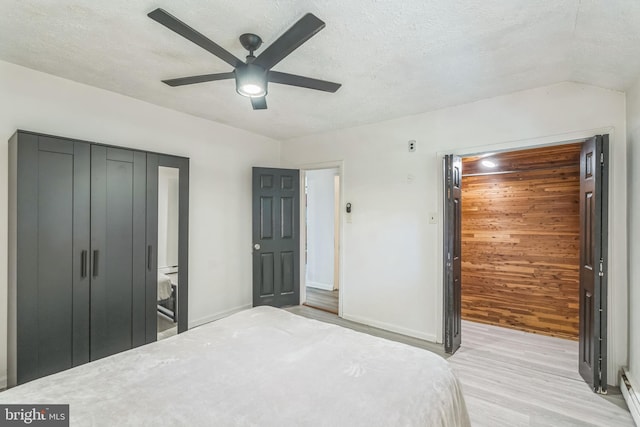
520,240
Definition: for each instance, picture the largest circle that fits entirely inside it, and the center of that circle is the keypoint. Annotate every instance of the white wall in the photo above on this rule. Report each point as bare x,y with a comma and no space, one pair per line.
392,274
220,175
633,176
320,228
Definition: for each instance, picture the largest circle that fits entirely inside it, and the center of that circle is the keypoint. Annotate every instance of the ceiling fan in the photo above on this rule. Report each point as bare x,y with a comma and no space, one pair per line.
253,75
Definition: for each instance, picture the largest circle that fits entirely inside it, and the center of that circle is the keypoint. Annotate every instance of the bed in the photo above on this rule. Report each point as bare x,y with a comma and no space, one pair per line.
167,296
259,367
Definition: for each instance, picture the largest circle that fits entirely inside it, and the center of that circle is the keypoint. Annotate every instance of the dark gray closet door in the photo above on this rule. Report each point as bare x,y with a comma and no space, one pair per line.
594,187
452,253
151,288
118,250
53,291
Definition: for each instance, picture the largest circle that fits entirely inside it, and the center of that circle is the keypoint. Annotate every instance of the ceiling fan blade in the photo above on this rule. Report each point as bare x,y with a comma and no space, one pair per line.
174,24
299,33
181,81
259,103
301,81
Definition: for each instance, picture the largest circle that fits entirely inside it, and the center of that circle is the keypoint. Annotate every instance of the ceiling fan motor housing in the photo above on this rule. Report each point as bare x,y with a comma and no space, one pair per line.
251,80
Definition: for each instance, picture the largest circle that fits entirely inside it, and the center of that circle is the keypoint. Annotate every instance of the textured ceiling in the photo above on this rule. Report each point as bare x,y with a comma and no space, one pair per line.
394,58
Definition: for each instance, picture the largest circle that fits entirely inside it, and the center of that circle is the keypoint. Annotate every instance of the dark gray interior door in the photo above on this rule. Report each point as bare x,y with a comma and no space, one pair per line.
118,250
452,252
593,262
276,237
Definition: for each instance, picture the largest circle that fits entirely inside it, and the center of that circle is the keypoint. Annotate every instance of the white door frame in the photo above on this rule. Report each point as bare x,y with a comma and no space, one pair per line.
336,164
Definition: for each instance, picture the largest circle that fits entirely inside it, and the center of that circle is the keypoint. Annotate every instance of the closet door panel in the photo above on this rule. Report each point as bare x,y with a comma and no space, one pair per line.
117,248
141,256
48,267
26,290
81,251
98,307
151,308
55,261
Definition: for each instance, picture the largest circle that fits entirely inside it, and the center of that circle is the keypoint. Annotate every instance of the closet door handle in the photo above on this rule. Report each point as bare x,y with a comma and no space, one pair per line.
95,263
83,264
149,255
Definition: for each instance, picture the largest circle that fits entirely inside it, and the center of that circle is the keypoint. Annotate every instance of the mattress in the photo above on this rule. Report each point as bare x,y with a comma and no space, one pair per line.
259,367
164,286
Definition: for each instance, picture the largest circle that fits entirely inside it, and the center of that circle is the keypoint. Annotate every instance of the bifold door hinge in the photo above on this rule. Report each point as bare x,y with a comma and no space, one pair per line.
601,272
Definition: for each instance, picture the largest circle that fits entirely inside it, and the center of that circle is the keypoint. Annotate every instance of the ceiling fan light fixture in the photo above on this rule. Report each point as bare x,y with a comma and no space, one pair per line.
251,81
252,75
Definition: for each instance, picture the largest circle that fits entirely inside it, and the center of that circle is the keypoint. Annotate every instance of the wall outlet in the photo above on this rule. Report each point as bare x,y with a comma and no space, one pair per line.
433,218
412,146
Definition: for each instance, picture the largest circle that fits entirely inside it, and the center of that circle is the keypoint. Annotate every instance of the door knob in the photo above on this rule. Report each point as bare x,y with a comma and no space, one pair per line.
256,246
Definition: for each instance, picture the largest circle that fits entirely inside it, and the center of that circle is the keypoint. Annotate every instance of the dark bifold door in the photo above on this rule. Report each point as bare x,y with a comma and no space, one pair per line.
53,224
118,250
452,252
276,237
593,262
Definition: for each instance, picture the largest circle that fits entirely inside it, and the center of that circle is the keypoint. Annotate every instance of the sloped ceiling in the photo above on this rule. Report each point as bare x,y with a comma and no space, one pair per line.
394,58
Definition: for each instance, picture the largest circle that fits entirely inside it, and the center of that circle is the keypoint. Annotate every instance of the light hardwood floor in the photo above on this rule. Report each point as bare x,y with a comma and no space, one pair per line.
512,378
322,300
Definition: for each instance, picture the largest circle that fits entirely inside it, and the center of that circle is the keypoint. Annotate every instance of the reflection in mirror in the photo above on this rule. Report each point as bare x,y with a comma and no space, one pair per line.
168,192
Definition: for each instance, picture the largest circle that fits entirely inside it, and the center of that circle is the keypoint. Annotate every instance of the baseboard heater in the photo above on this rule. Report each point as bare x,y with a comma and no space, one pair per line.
630,396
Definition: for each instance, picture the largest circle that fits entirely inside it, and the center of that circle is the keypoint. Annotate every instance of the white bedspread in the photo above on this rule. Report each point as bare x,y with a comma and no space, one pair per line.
259,367
164,286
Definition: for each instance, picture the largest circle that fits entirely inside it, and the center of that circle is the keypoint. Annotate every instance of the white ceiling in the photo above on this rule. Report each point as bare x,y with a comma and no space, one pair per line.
394,58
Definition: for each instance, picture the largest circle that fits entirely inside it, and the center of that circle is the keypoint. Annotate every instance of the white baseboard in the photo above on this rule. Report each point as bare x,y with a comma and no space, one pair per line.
220,315
391,327
629,390
318,285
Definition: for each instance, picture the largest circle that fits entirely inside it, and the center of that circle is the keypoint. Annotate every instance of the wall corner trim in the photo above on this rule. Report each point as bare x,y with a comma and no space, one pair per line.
630,393
392,328
318,285
217,316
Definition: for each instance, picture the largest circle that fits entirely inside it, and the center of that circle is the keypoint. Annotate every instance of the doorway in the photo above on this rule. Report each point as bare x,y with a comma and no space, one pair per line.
520,223
321,239
536,252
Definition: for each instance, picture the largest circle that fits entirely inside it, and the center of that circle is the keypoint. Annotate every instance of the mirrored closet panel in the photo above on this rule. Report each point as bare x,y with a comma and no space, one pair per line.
168,266
168,269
